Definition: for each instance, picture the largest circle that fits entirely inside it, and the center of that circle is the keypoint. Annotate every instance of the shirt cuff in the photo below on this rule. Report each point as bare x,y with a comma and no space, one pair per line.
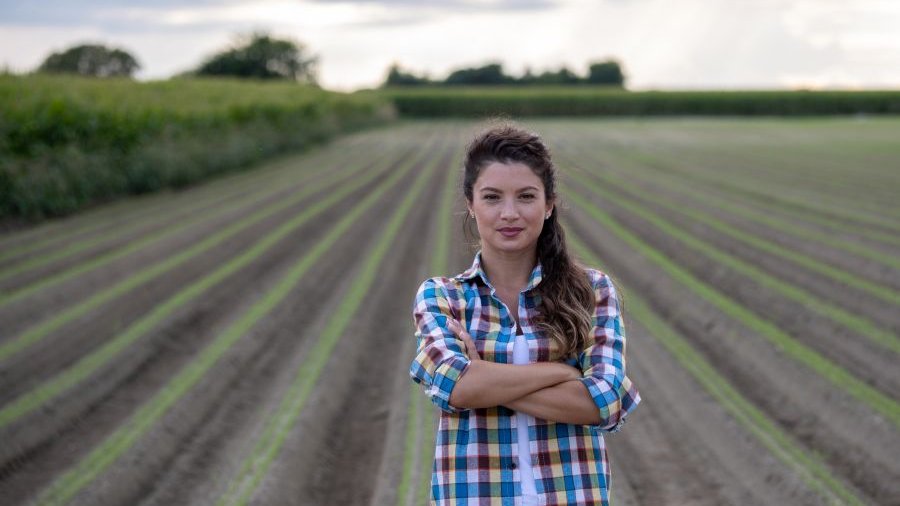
607,402
444,381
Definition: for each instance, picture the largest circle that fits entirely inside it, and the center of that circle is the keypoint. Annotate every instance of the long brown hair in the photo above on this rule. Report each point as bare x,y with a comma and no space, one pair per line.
565,311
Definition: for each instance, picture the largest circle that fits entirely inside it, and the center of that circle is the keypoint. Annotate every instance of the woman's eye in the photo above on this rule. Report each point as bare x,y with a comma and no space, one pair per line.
490,197
528,196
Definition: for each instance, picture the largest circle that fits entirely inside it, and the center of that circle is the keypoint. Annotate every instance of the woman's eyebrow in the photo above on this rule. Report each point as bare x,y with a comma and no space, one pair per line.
489,188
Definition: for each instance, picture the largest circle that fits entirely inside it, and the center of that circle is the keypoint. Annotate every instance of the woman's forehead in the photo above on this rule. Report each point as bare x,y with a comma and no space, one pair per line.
513,177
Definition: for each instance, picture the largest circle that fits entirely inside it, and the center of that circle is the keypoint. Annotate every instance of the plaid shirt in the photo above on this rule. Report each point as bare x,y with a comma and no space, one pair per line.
476,453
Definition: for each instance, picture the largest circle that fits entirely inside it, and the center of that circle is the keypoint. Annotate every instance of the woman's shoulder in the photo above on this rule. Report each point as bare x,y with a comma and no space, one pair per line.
601,281
595,275
444,286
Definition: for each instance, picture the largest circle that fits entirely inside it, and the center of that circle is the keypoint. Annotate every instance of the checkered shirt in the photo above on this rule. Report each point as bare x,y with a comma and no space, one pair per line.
476,452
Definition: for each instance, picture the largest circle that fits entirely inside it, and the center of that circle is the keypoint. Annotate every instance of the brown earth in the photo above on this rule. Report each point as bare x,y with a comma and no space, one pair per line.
347,445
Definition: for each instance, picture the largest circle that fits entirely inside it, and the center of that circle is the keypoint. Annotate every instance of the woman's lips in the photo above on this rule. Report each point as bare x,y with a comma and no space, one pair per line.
510,232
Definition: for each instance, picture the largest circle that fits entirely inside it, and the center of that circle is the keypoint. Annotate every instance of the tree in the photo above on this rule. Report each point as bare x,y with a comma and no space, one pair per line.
488,74
91,60
606,72
262,56
562,76
397,77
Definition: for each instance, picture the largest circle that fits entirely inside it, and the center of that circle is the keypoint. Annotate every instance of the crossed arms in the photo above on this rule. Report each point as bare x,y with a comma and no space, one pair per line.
549,390
456,380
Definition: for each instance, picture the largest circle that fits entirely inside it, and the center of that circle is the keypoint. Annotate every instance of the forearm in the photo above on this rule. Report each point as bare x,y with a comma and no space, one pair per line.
566,402
487,384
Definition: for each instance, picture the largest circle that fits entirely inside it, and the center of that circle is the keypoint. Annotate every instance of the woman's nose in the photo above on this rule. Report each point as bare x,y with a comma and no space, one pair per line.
509,210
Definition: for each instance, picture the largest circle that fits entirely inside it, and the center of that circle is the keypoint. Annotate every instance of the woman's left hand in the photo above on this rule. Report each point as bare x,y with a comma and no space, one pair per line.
469,345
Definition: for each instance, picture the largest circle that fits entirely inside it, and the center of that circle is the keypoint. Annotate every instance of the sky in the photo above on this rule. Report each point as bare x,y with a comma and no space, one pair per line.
661,44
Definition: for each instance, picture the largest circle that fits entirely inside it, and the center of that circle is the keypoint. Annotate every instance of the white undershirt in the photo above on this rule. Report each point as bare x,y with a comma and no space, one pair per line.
520,356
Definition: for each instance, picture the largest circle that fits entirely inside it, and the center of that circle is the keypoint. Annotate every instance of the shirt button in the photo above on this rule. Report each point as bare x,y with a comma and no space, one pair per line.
512,465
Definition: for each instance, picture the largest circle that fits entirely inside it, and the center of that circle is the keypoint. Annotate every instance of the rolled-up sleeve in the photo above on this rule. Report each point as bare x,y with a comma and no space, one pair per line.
603,361
440,360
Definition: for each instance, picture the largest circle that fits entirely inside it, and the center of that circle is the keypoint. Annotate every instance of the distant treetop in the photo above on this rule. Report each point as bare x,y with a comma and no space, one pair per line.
260,55
91,60
605,73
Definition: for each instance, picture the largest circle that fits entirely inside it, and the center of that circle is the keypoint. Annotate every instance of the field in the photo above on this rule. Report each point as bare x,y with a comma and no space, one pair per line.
248,340
592,101
68,143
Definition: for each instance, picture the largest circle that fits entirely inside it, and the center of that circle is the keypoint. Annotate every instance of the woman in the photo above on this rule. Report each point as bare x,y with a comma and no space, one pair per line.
524,352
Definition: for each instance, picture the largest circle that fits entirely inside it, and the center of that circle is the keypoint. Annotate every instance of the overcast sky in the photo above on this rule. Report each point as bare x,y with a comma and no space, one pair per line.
662,44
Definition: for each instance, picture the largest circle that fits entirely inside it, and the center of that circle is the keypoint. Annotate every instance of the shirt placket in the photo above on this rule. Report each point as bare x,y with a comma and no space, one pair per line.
513,464
522,309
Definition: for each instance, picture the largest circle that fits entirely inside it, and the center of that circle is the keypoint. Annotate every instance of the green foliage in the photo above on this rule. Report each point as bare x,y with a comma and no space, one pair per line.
261,56
562,76
604,73
67,142
478,101
397,77
487,74
607,72
91,60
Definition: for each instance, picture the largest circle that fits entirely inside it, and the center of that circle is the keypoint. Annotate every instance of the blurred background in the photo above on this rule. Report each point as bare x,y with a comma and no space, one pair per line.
214,216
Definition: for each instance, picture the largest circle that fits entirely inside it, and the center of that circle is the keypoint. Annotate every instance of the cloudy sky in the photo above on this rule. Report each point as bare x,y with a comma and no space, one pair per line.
662,44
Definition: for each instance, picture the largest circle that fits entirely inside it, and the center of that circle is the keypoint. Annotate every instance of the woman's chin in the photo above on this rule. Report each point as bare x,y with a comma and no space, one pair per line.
512,245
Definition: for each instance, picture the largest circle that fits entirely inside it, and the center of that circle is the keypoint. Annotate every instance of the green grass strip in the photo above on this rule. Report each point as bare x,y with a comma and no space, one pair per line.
783,167
69,484
34,334
414,427
808,466
833,312
792,348
762,194
193,210
34,261
146,209
656,164
884,293
417,417
86,366
268,446
109,256
427,450
676,185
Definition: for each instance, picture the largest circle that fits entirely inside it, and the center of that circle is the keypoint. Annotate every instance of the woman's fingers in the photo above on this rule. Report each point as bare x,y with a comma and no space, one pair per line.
468,344
471,350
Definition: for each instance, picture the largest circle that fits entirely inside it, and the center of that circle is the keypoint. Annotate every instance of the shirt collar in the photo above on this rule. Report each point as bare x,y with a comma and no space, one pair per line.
476,270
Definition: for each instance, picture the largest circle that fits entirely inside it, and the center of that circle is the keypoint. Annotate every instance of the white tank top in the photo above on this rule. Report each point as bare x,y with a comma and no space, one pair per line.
520,356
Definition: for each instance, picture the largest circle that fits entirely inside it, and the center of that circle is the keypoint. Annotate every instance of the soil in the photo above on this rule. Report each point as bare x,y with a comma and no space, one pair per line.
347,445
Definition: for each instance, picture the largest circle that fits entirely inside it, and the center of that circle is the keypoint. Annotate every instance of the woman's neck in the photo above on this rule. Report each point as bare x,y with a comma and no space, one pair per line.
508,270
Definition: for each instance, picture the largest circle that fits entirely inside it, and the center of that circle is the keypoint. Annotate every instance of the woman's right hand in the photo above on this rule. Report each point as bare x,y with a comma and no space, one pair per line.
468,344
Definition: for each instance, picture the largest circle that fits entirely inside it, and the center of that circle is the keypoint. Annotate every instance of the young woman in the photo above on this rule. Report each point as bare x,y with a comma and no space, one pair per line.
524,352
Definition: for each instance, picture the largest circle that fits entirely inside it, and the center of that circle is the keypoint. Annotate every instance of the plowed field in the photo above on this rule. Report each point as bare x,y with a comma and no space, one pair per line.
248,340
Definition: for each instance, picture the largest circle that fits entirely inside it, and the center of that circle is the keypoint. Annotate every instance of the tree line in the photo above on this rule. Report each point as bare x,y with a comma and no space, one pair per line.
256,55
262,56
608,72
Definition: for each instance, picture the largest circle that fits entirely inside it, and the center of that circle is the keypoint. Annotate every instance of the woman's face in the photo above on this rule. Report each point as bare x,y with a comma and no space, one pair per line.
508,197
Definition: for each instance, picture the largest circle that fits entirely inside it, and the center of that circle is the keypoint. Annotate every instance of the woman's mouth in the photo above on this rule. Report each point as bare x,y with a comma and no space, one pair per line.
510,231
